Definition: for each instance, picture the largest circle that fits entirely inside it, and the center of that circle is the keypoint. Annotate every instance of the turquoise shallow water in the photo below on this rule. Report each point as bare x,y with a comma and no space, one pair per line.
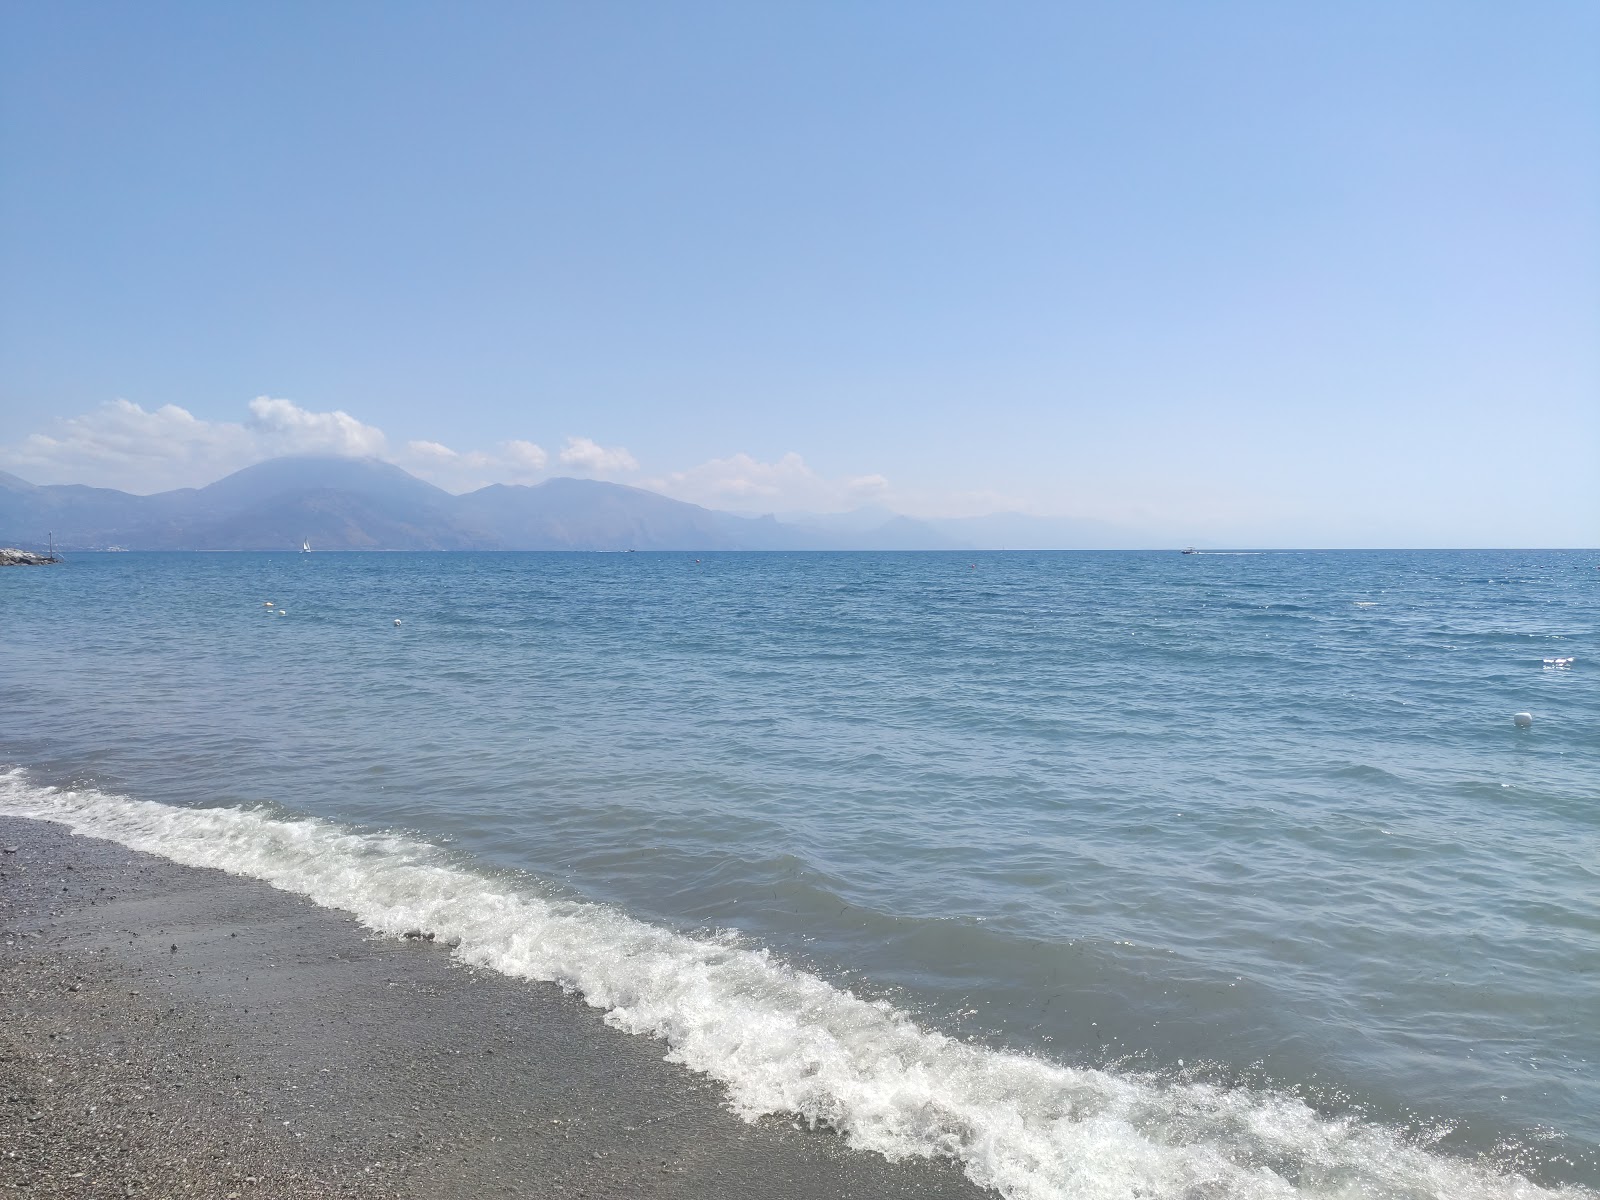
1260,820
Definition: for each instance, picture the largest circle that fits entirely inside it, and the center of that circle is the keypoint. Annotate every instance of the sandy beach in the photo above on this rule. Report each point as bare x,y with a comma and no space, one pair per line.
168,1031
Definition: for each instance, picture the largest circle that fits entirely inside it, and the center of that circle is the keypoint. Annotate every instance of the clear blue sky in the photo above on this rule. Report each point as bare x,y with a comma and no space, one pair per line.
1279,273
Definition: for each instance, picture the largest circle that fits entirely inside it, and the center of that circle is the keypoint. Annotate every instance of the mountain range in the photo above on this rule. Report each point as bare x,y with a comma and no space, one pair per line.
368,504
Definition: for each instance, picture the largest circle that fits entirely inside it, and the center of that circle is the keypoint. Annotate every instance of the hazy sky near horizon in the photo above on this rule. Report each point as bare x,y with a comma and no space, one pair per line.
1256,272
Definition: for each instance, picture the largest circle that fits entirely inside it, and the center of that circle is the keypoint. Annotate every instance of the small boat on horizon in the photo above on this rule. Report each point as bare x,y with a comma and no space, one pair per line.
305,545
1190,550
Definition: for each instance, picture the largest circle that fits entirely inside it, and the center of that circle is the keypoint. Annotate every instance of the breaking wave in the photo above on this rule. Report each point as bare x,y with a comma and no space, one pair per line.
783,1041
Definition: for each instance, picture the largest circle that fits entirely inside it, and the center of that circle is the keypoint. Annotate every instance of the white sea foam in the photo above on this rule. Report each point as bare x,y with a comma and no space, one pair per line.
783,1041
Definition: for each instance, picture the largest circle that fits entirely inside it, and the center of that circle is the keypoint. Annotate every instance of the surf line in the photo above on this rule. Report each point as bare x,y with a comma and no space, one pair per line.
780,1040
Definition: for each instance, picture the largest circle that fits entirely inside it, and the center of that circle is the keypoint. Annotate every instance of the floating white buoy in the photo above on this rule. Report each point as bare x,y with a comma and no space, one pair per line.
281,613
1522,720
397,620
266,604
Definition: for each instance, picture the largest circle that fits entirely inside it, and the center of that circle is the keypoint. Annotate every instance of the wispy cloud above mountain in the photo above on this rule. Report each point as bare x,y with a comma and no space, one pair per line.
285,422
126,446
588,457
745,483
515,461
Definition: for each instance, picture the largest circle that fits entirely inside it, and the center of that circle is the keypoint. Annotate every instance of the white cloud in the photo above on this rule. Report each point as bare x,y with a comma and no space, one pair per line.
743,482
431,452
295,430
526,454
515,461
123,445
867,487
586,455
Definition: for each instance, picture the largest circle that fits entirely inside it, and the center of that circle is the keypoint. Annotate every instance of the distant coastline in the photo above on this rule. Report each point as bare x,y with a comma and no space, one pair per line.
366,504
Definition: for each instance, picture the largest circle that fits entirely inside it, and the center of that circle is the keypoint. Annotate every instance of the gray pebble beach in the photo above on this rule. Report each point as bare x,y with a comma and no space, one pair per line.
168,1031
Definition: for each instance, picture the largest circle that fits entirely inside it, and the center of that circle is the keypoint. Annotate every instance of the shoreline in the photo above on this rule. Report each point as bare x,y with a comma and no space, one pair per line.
177,1031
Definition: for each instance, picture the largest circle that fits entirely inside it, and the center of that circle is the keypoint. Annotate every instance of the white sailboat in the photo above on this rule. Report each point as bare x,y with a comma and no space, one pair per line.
305,545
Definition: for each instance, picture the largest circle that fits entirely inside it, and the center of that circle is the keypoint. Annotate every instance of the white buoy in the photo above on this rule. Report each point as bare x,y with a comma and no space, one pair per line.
397,620
281,613
1522,720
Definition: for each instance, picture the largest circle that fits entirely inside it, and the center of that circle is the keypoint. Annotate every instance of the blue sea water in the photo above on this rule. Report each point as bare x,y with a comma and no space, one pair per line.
1233,855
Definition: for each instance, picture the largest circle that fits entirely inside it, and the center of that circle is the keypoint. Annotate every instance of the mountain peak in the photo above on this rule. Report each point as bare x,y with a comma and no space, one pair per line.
341,503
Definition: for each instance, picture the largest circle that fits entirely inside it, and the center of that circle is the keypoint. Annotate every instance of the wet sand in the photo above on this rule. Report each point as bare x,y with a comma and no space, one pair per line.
167,1031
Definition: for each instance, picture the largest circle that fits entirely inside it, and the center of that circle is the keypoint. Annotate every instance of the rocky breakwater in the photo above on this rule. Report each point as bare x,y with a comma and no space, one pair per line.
10,557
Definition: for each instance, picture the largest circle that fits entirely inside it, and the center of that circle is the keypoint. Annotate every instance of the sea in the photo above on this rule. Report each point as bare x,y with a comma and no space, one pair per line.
1105,874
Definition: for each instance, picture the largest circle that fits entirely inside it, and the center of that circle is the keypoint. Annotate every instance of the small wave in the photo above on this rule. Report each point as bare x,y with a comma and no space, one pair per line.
783,1041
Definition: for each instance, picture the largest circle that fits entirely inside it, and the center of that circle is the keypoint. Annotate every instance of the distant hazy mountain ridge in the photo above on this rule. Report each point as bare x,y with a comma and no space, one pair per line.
367,504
